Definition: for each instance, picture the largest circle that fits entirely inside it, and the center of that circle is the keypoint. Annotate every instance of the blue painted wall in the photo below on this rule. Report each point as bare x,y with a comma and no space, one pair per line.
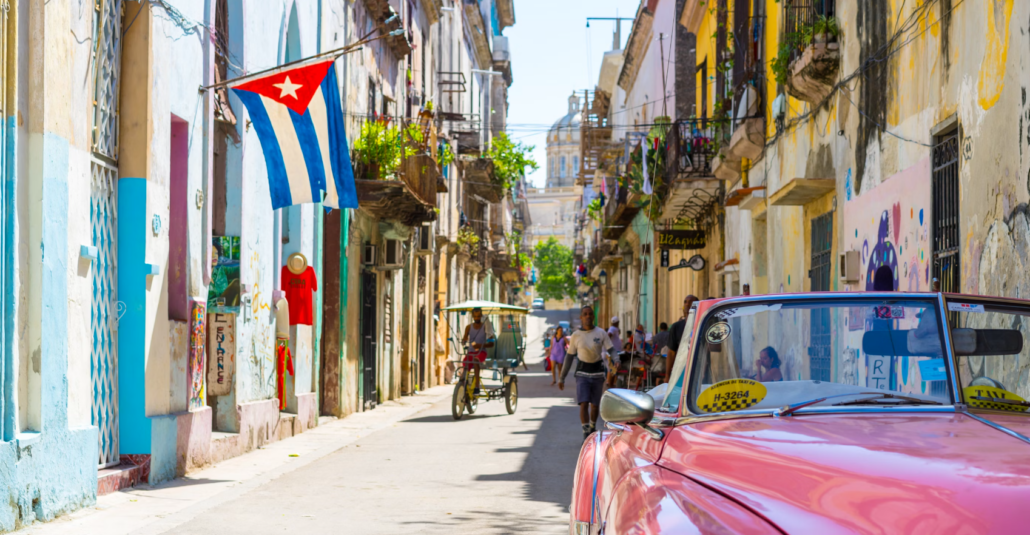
52,472
133,424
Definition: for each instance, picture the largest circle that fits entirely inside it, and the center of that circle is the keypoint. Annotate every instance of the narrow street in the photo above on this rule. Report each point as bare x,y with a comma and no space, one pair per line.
424,473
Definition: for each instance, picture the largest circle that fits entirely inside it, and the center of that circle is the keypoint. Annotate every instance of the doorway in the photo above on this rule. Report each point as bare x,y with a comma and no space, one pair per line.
368,339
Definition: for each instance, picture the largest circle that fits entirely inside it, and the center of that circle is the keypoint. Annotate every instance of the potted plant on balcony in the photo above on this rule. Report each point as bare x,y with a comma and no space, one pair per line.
377,150
468,241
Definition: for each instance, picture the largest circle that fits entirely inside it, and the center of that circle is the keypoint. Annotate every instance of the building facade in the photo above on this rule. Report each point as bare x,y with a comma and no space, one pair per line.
144,269
808,144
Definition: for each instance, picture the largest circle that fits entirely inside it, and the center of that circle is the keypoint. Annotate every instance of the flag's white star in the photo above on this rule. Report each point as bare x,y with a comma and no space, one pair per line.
288,88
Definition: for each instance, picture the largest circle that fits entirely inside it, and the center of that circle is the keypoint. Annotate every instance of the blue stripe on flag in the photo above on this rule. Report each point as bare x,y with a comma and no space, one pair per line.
343,173
312,155
278,183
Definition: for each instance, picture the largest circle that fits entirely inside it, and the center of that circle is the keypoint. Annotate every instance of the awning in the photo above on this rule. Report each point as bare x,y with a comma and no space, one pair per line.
489,307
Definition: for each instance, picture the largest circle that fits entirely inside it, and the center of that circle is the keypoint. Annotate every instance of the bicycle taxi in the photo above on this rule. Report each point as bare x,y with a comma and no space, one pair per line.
501,359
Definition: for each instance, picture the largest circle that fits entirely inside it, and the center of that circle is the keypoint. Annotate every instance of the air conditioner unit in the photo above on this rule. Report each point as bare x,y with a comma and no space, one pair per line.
849,266
424,241
393,255
368,255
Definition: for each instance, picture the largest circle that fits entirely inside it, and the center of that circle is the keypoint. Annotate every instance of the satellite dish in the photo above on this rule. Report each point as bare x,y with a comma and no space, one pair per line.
696,263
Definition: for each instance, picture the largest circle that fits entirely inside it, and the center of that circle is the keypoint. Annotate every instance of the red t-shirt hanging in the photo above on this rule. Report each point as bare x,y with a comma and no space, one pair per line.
298,289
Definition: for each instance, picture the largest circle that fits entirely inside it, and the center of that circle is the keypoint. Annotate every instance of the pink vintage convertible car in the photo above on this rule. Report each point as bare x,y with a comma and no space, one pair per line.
823,413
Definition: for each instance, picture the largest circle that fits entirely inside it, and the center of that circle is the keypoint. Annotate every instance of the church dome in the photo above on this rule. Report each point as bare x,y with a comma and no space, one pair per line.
567,125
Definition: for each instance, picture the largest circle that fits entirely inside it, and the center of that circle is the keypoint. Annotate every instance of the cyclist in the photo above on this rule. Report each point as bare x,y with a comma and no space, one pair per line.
479,335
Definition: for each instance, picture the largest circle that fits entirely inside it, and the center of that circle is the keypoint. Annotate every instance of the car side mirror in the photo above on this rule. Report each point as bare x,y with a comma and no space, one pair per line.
622,406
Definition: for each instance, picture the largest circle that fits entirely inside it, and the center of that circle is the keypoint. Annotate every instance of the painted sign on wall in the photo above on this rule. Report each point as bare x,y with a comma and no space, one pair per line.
221,358
681,239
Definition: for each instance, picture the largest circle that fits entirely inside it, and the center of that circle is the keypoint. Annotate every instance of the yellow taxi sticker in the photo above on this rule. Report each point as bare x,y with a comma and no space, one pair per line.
989,397
731,395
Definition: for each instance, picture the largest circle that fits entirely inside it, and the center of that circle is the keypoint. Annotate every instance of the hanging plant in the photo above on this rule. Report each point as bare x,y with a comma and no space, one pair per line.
377,150
467,240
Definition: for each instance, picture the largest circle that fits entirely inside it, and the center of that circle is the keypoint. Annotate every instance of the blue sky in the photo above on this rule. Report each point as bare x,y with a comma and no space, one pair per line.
554,53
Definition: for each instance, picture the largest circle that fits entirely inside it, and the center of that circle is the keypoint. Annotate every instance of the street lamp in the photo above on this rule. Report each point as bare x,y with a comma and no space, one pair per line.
603,277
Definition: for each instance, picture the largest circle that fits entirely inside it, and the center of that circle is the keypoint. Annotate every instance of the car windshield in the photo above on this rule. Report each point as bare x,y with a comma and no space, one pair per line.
772,354
992,358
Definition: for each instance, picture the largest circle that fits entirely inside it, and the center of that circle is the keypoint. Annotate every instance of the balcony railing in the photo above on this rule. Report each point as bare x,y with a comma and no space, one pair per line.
799,16
691,148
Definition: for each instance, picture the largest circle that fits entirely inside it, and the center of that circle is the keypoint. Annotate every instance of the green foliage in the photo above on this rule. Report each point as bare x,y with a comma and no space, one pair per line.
468,240
445,156
511,158
823,25
555,276
594,210
377,149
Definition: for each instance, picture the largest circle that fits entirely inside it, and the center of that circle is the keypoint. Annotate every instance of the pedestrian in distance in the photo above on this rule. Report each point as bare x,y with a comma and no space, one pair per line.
676,331
613,334
661,339
557,356
588,351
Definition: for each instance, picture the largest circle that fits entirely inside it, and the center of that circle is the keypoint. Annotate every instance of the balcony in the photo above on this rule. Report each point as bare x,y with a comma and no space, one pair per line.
409,195
691,148
814,57
479,179
619,212
748,139
380,11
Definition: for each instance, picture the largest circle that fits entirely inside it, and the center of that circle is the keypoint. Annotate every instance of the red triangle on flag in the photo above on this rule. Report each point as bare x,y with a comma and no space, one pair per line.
294,88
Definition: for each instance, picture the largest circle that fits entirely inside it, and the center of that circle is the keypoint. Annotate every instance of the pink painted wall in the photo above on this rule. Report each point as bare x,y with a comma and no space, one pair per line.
178,222
890,225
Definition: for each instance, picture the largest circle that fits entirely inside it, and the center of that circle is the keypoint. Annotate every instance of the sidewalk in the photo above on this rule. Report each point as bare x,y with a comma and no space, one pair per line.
144,509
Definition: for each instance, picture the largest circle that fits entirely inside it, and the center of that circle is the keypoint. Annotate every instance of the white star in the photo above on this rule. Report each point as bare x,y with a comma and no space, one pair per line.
288,88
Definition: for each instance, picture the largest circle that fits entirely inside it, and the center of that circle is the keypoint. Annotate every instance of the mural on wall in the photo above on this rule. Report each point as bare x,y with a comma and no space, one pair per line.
889,226
221,364
225,272
197,358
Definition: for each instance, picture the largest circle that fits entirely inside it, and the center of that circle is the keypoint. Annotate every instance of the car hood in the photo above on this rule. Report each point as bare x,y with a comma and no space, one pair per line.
862,473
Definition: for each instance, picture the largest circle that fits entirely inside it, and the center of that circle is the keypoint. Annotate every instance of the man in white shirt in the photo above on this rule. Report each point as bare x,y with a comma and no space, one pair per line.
587,347
613,335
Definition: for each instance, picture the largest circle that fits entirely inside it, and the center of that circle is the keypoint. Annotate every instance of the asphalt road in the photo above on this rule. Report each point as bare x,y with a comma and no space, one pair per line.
488,473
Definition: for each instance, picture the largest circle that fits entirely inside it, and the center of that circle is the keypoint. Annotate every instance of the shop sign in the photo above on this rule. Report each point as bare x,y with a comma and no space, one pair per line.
681,239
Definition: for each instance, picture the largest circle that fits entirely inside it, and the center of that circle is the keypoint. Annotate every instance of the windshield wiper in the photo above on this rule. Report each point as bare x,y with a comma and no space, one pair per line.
882,396
787,410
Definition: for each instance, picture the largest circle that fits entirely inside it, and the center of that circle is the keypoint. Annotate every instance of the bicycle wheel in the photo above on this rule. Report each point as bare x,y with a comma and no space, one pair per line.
458,400
511,395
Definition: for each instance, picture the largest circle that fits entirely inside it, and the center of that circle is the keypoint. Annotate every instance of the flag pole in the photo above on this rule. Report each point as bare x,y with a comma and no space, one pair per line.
335,53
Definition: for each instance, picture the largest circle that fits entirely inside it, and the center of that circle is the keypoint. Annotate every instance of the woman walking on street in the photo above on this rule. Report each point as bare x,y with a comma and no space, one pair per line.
557,353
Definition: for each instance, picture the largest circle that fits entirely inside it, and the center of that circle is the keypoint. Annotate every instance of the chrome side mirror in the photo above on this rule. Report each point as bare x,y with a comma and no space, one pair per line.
622,406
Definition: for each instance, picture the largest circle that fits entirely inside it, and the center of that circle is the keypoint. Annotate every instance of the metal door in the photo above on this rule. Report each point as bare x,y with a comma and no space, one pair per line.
368,339
104,307
104,311
819,349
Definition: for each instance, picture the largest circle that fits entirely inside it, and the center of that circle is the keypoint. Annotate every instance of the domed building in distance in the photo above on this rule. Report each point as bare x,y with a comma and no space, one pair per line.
553,208
563,147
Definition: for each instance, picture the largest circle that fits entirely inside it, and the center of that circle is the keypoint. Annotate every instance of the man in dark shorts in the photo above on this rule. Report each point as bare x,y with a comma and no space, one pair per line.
588,347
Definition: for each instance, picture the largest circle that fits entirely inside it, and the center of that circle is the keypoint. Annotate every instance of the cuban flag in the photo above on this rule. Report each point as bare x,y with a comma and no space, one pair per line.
298,118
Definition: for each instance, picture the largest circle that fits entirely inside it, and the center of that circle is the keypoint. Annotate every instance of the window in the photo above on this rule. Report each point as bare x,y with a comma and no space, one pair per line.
575,166
990,351
675,392
562,167
945,214
178,220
